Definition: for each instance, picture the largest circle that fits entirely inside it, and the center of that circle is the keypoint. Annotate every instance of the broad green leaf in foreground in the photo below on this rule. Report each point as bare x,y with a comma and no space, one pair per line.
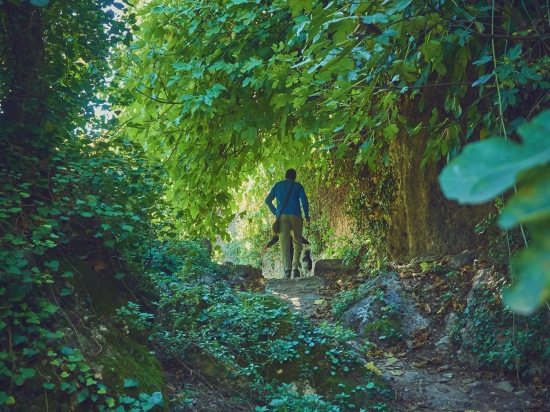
533,287
487,168
531,202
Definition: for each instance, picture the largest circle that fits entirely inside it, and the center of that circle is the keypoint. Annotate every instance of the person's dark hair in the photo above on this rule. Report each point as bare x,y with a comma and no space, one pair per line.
290,174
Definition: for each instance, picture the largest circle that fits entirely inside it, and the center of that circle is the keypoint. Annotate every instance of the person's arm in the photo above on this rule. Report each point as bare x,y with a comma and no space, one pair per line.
305,203
305,241
273,240
269,201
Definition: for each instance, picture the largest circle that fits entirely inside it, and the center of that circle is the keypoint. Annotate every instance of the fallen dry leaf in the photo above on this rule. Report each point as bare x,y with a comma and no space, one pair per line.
421,364
391,361
457,307
370,367
423,337
445,306
98,265
397,372
436,361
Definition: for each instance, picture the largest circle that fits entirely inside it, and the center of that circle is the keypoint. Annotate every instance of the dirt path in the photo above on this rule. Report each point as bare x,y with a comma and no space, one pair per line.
301,293
422,380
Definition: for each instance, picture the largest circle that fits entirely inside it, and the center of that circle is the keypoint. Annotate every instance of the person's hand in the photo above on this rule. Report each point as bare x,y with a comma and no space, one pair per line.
308,220
264,248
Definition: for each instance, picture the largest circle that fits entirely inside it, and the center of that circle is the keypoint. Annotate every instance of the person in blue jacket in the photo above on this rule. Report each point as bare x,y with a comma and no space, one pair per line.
291,221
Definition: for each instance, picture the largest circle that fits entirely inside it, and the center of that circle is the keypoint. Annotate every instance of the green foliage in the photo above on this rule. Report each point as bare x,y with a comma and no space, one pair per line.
284,398
43,215
223,91
242,252
490,167
133,317
370,204
233,336
501,341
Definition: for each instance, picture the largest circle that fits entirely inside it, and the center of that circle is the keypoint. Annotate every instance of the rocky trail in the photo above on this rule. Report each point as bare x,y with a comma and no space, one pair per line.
425,369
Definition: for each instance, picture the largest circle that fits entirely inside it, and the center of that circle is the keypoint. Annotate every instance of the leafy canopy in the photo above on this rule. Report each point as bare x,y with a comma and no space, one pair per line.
217,88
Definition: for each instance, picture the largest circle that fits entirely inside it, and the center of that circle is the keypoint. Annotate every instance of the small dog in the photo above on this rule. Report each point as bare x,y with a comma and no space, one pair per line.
307,263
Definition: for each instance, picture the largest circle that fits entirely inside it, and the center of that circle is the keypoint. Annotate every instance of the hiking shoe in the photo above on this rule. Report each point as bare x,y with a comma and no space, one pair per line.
287,274
295,273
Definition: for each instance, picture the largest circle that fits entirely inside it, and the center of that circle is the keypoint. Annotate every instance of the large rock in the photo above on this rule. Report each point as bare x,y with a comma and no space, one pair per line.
474,299
327,267
387,309
463,259
238,275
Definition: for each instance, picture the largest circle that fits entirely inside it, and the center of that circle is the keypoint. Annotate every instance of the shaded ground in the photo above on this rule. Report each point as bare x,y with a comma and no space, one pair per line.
422,379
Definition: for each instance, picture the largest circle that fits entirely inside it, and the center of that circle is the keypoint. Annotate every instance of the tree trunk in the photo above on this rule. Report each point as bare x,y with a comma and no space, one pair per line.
423,221
24,104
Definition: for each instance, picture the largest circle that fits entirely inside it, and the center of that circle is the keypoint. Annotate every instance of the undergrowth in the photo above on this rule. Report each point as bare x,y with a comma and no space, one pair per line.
254,341
500,340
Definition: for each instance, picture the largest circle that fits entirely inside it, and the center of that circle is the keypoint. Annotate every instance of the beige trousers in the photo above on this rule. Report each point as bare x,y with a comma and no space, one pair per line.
294,225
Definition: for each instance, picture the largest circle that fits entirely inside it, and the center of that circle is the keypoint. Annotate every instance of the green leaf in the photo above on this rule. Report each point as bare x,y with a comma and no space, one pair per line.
17,339
533,288
40,3
65,292
50,308
67,351
531,202
27,373
375,18
298,5
130,383
482,79
83,395
487,168
90,382
48,385
54,264
390,131
156,398
5,399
